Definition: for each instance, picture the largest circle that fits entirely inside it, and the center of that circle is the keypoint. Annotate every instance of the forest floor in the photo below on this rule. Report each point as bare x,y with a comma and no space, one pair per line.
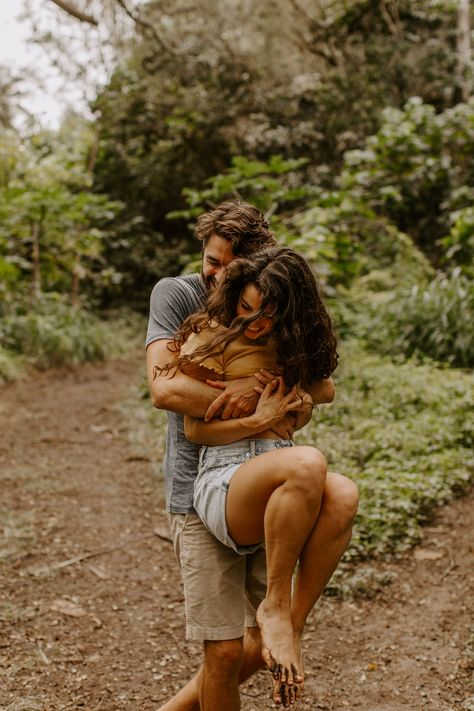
91,613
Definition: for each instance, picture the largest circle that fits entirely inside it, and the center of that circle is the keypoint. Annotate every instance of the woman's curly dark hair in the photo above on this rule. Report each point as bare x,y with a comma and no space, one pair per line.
302,331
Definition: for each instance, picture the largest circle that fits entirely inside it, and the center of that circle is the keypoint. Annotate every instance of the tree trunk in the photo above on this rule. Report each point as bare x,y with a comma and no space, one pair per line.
464,72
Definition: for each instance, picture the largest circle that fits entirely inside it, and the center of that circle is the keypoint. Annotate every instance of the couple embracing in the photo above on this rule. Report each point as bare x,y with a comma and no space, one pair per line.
238,355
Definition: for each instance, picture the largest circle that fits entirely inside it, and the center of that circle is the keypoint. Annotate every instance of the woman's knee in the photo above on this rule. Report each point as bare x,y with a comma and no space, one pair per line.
308,468
341,499
226,655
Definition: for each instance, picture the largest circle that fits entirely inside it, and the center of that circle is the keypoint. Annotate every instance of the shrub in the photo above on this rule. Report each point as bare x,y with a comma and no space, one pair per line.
459,243
53,333
428,319
404,433
345,240
11,366
416,170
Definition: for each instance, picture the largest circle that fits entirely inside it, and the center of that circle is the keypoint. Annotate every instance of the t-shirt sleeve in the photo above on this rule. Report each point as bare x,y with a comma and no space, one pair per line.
169,306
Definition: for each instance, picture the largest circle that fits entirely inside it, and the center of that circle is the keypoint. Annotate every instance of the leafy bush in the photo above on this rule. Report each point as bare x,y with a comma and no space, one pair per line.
404,433
267,185
459,243
416,169
53,333
345,239
11,366
429,319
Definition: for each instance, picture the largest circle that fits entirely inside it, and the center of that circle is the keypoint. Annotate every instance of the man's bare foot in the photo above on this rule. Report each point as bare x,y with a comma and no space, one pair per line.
278,649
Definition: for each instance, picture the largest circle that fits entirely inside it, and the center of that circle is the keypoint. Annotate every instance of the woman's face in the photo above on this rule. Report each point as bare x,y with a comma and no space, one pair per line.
250,301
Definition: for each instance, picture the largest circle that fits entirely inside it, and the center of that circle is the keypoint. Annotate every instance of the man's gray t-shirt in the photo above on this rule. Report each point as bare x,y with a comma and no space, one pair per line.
172,300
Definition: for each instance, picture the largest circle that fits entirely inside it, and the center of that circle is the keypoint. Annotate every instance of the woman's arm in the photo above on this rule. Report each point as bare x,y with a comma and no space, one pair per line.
220,431
273,404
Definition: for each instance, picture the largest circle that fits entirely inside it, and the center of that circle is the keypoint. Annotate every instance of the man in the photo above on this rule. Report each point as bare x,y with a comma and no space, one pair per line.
222,589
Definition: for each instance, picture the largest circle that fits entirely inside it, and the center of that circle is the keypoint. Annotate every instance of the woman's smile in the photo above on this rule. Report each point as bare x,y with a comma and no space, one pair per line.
250,301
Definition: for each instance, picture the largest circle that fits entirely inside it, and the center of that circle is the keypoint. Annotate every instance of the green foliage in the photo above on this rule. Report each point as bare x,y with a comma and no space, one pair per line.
416,169
345,239
54,333
459,243
404,432
364,582
162,128
428,319
52,224
270,186
11,366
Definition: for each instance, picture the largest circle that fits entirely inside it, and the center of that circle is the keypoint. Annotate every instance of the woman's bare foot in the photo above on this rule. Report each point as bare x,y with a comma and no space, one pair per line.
285,695
299,657
278,649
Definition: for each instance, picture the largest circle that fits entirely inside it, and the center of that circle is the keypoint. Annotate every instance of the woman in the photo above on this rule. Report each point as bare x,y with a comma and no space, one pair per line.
268,314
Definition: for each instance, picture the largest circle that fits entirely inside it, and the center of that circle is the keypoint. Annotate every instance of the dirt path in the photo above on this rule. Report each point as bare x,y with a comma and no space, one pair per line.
106,633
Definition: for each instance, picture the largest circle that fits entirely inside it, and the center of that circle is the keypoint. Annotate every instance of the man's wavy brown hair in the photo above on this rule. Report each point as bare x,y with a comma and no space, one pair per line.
302,331
240,223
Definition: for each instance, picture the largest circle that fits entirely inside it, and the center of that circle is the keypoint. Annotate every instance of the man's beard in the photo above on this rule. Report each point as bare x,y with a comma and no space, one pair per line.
210,282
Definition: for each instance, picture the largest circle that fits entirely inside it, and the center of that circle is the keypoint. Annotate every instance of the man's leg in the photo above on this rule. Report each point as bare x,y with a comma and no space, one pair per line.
214,579
187,698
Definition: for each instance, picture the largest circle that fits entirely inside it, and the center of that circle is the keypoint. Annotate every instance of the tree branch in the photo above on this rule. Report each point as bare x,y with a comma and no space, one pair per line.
71,10
147,28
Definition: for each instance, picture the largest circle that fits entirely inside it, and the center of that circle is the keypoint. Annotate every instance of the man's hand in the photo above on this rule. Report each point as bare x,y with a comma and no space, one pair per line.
238,399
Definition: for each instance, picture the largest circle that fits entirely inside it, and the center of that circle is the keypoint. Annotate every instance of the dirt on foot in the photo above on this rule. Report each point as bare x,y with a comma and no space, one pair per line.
91,613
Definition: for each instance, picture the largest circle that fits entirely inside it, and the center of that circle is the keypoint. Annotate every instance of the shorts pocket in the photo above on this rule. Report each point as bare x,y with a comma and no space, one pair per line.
221,461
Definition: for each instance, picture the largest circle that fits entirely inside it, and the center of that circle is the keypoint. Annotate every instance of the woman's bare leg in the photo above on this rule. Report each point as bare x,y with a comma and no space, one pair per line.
324,547
276,497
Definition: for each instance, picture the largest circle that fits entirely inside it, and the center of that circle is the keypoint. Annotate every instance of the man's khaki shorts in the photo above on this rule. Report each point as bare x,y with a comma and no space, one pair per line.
222,589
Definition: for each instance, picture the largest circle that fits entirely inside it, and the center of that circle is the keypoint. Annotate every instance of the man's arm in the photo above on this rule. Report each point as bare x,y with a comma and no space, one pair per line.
188,396
179,393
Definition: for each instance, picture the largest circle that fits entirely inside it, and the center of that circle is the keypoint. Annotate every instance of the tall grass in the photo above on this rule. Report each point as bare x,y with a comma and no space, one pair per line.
53,334
11,366
427,320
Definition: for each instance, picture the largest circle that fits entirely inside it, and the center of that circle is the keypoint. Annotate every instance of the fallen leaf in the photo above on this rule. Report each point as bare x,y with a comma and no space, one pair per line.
425,554
98,428
66,607
99,571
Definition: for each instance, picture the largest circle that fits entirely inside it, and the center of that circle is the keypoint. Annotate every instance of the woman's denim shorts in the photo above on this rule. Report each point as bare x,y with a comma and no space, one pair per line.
217,465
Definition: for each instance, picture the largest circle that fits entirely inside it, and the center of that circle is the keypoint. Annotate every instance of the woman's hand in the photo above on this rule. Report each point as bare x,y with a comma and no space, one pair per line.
273,404
238,399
